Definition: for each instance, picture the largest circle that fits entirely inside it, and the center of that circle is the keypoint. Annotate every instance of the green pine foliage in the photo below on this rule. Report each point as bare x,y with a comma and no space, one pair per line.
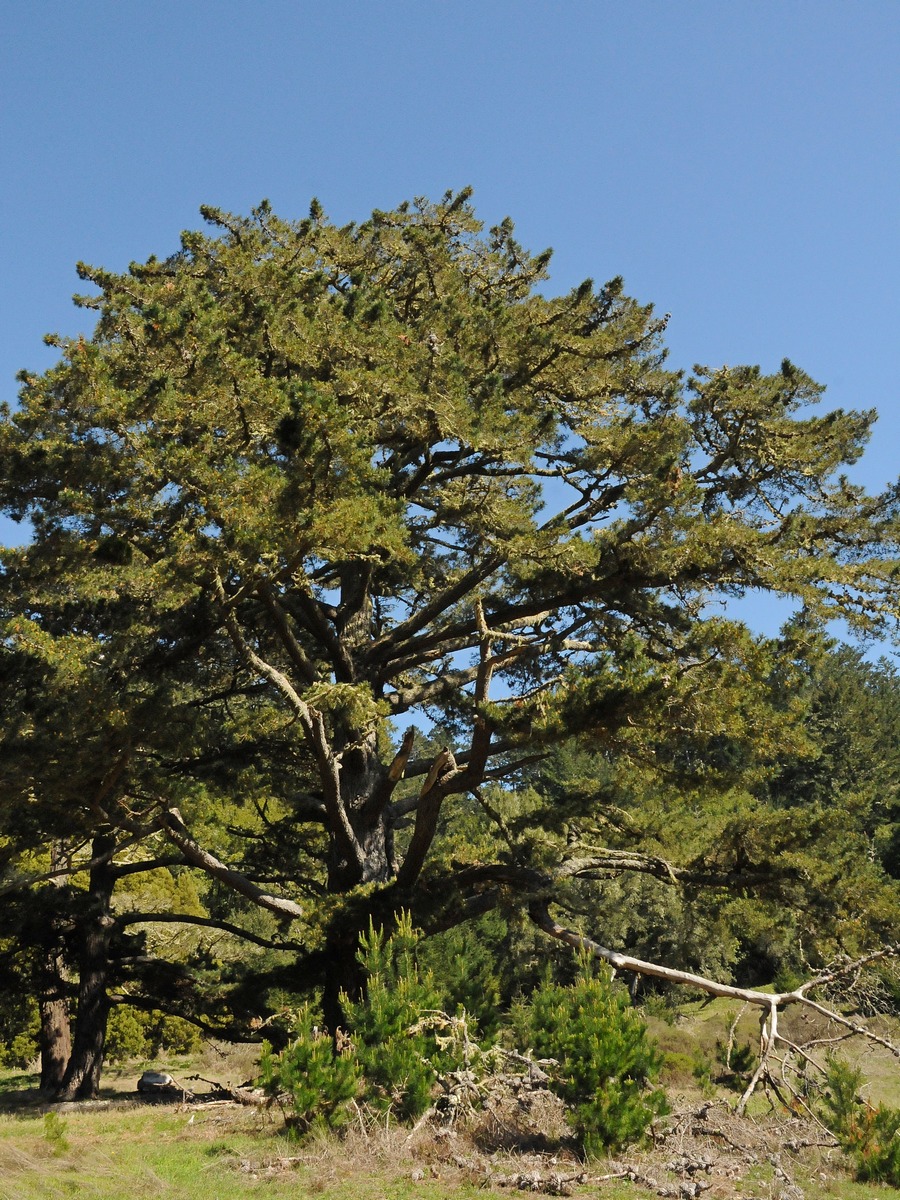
394,1056
132,1033
468,962
55,1130
18,1029
126,1035
400,1063
318,1082
303,481
391,1057
606,1061
870,1135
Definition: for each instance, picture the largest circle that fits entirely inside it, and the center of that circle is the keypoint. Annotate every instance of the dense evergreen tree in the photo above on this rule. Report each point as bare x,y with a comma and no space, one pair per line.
303,481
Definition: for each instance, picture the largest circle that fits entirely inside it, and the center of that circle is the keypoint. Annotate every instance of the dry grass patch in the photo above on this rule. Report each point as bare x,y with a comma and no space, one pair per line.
129,1150
225,1152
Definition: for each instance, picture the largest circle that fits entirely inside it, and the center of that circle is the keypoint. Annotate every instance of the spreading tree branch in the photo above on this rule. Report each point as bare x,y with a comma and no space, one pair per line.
772,1003
428,808
313,724
176,831
158,918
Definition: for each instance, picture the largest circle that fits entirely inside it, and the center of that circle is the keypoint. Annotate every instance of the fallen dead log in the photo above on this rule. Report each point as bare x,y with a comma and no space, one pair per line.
242,1094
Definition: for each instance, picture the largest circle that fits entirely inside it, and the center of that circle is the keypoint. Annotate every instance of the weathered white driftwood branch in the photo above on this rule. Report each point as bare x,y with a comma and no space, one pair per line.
770,1002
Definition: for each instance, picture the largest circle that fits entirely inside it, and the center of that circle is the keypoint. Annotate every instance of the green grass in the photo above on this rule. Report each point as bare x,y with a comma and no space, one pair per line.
126,1152
115,1154
17,1081
131,1151
701,1024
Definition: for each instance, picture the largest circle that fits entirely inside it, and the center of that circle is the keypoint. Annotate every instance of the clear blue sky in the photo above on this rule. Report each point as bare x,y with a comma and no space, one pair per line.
737,162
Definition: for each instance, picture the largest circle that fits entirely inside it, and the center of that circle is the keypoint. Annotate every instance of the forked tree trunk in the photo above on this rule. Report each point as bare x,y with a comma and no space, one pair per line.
363,778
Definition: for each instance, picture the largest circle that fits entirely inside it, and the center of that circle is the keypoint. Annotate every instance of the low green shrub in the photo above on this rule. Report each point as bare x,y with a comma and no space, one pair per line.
173,1035
735,1060
318,1082
869,1135
465,960
55,1133
401,1045
606,1060
132,1033
126,1035
701,1071
19,1029
399,1058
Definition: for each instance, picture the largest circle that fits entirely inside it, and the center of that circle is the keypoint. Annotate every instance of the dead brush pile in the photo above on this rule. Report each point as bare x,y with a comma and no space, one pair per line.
507,1130
700,1150
521,1141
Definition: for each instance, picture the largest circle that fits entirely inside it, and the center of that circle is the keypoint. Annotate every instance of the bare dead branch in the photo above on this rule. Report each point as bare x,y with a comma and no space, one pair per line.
176,831
770,1002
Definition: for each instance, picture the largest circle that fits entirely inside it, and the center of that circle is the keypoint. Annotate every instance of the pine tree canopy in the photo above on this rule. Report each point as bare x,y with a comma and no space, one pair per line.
303,481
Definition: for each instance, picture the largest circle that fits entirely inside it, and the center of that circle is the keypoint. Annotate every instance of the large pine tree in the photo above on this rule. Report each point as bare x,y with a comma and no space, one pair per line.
350,476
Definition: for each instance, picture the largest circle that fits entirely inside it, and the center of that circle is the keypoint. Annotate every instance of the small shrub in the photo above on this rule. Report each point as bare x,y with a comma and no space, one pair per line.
393,1056
132,1033
319,1083
19,1029
659,1005
399,1061
55,1133
605,1057
701,1070
126,1034
21,1051
736,1061
871,1136
173,1035
464,959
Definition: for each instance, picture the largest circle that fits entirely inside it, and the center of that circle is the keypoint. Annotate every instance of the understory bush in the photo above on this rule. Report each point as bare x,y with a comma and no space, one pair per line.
386,1058
869,1135
401,1050
132,1033
318,1082
19,1027
605,1058
126,1035
398,1055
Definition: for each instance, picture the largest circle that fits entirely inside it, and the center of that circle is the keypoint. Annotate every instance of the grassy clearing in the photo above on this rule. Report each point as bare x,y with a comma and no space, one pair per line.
124,1149
224,1153
697,1030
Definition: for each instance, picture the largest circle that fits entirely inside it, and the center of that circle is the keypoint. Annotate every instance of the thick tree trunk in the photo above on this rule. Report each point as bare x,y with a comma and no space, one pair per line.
363,777
82,1078
364,780
343,976
55,1033
366,786
55,1037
